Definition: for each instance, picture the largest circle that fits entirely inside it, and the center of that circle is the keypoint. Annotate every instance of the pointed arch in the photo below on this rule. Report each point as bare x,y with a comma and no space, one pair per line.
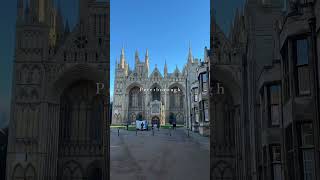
36,74
72,170
223,171
30,173
136,98
156,92
94,171
18,173
176,97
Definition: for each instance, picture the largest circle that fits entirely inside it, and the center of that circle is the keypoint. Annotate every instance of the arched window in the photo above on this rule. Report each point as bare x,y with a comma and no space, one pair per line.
81,114
176,98
135,98
156,94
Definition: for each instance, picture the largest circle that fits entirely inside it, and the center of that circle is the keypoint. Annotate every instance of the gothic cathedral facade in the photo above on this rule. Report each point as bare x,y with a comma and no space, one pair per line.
141,94
58,127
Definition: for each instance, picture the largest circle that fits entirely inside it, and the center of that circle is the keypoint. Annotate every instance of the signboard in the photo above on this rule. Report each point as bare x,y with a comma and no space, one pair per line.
145,125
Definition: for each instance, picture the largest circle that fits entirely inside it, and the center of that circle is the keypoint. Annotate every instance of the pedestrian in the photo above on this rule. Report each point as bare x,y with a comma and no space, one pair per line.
174,125
158,126
142,125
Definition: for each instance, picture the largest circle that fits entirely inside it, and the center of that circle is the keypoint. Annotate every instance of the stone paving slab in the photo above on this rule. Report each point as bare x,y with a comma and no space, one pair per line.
158,157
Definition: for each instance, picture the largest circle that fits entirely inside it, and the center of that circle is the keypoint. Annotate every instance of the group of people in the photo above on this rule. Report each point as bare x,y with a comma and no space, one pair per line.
156,124
174,125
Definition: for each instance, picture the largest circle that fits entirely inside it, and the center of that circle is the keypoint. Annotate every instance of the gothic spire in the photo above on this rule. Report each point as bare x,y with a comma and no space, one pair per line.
122,58
190,57
165,68
147,58
177,69
137,57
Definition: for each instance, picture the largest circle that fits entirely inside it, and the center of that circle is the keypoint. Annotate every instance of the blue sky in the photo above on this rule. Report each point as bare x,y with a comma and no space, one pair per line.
7,32
165,27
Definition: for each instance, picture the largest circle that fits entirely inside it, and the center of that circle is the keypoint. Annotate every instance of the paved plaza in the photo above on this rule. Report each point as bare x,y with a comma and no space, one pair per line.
160,156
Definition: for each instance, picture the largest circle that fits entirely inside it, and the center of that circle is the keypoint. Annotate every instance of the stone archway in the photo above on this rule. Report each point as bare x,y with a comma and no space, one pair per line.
94,171
81,114
222,171
18,173
135,98
30,173
72,171
155,120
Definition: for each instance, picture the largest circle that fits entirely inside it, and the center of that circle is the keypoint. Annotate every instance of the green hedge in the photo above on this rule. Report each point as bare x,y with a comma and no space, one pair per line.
133,127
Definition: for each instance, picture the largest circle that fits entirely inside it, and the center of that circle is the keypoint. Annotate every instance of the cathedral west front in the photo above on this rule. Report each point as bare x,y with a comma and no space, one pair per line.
153,95
58,128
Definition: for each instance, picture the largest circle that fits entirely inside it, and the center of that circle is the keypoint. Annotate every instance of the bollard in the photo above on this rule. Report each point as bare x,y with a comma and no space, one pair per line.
188,132
118,131
136,132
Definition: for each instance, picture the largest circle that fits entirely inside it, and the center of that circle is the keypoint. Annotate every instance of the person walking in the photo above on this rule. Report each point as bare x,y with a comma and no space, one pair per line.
142,125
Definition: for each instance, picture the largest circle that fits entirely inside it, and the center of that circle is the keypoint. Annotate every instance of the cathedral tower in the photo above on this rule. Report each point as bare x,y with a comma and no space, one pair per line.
58,128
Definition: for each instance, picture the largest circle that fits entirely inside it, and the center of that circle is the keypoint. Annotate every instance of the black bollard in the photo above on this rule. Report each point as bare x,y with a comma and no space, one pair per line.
136,132
118,131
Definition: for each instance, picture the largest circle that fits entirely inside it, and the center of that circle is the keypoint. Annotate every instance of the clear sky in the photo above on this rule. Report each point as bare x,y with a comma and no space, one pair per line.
165,27
7,32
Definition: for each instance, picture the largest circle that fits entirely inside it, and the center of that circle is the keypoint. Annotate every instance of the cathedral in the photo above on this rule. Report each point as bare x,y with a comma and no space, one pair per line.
58,125
144,94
